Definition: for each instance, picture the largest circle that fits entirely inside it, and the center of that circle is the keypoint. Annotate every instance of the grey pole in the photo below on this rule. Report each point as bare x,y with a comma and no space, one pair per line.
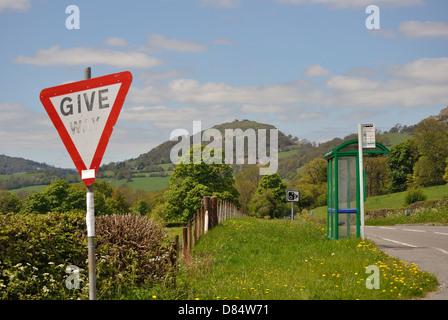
292,210
90,221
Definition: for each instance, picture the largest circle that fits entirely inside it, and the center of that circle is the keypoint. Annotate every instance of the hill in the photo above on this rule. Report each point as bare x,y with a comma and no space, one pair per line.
12,165
161,154
156,163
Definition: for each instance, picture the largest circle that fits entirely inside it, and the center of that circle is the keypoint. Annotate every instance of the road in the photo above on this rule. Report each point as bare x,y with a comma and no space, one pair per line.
426,246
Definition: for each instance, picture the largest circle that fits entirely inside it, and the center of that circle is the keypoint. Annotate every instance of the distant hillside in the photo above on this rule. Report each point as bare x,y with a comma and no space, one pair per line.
161,154
11,165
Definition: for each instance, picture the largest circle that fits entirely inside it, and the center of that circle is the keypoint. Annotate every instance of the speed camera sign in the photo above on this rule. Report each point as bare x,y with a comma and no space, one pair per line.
292,195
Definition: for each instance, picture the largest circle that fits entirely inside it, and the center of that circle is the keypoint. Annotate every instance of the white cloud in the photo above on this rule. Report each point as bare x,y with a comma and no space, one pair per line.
419,83
356,3
191,91
116,42
347,83
22,128
14,4
169,118
160,42
424,70
56,56
418,29
316,70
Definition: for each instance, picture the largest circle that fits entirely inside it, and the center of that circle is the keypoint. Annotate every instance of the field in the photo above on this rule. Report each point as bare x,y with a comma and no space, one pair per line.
256,259
393,200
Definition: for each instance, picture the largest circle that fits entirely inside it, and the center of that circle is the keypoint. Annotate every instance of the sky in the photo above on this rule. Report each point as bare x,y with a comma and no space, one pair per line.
312,68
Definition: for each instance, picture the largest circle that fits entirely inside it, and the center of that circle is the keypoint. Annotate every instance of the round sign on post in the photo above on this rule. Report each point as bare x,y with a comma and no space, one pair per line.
292,196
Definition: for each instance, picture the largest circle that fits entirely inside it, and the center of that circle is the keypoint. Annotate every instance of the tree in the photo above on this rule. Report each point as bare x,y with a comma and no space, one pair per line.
314,172
246,183
377,176
312,184
424,173
266,204
270,198
191,181
36,203
400,163
56,193
275,183
9,202
431,139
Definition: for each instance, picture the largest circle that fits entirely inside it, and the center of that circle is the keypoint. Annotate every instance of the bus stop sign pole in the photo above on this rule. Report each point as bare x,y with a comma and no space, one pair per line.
361,182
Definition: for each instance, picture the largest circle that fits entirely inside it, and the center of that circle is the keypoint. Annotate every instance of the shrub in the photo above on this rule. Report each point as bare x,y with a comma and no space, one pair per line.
132,250
35,251
414,195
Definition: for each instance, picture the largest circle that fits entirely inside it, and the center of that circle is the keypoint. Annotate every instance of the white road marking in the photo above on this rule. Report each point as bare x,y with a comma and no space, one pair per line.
402,243
441,250
389,228
446,234
414,230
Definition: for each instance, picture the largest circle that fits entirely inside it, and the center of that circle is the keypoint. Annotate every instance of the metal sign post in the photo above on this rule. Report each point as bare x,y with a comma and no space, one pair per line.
366,139
84,113
90,222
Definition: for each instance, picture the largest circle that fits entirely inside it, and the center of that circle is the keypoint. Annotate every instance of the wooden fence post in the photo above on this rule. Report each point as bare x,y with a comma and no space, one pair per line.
213,216
189,237
207,209
184,243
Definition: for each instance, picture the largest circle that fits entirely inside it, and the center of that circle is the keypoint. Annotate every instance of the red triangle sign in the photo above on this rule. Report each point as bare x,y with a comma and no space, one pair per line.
84,114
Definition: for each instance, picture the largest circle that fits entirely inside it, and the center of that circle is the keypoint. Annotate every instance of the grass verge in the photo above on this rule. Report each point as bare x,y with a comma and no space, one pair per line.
255,259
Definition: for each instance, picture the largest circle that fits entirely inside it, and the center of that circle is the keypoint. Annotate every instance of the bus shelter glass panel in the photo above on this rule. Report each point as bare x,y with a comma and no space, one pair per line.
331,198
347,210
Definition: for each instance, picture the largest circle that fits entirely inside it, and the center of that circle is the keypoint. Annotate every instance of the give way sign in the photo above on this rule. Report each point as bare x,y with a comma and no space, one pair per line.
84,114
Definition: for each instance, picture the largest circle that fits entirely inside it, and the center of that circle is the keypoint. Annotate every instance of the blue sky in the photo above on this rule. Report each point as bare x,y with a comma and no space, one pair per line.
309,67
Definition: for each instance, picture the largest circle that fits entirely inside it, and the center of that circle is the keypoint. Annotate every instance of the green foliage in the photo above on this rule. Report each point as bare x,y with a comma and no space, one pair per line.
246,183
35,251
192,181
431,139
414,195
424,173
377,177
9,203
400,163
274,183
270,198
266,204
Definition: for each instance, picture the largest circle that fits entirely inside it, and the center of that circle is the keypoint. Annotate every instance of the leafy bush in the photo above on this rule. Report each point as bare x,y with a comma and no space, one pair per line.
132,250
35,251
414,195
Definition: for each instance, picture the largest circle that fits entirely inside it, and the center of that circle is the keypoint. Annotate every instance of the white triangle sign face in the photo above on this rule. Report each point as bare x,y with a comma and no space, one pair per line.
84,113
83,125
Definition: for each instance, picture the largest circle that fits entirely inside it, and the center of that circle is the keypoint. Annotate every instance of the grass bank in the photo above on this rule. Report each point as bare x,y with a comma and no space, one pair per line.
258,259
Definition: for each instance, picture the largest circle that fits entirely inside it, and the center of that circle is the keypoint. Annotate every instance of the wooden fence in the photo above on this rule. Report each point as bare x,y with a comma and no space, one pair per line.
211,213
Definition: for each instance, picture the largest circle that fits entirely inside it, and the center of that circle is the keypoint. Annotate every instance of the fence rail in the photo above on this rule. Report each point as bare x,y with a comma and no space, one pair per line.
211,213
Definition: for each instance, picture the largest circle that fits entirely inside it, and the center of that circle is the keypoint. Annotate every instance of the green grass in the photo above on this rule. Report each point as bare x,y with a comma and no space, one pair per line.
142,183
293,150
393,200
30,189
258,259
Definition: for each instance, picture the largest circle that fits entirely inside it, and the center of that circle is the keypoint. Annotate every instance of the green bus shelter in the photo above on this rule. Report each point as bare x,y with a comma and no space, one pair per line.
343,195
